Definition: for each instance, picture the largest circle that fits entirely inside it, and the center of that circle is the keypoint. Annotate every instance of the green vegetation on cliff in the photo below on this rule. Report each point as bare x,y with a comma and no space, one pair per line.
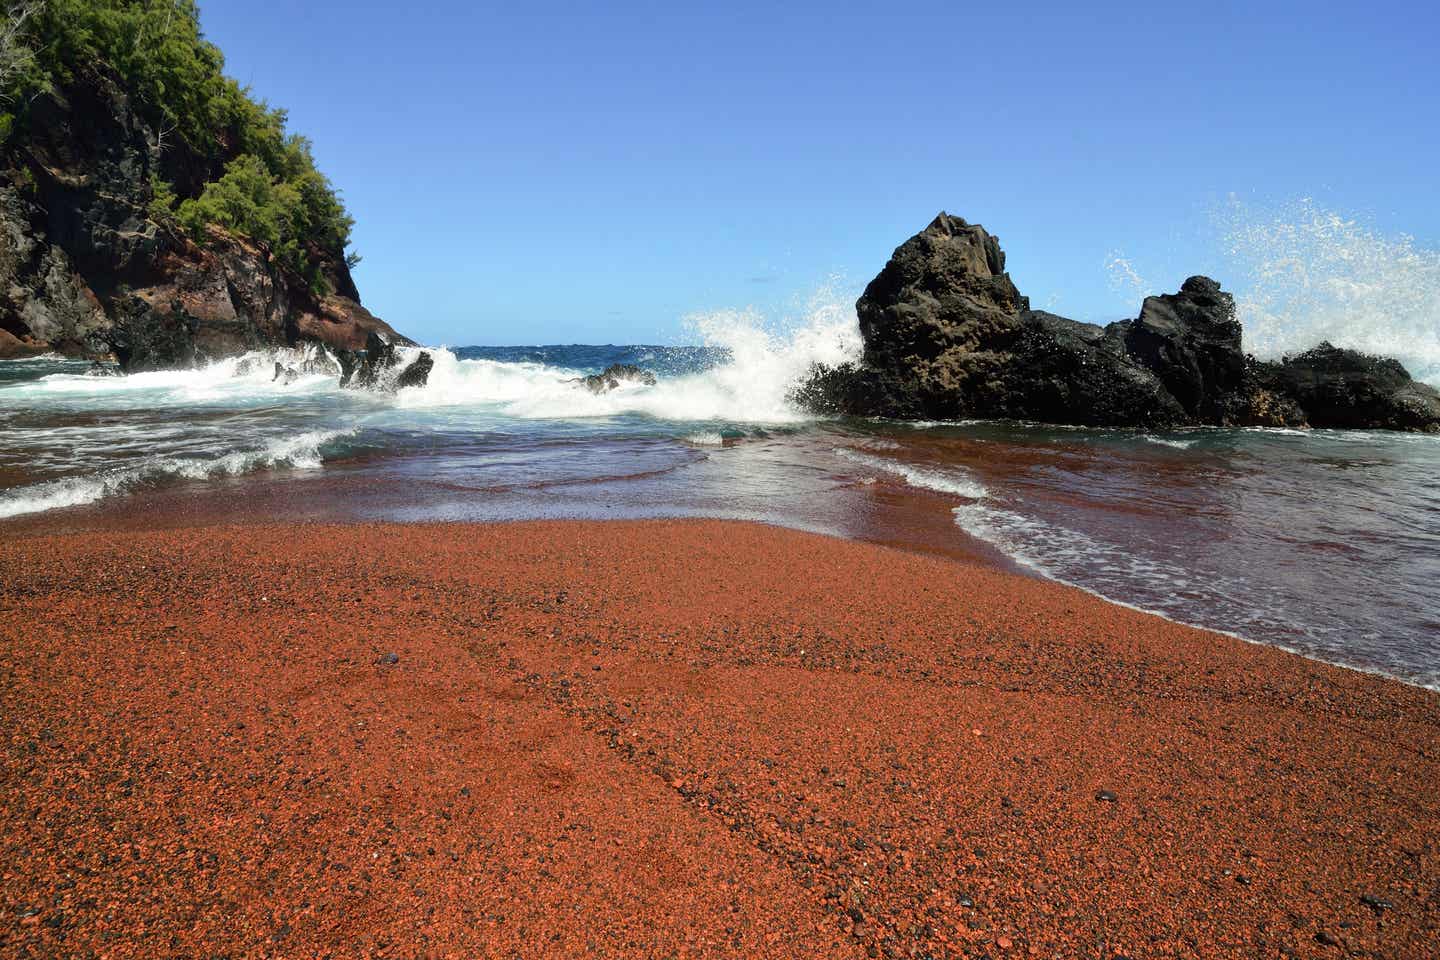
259,181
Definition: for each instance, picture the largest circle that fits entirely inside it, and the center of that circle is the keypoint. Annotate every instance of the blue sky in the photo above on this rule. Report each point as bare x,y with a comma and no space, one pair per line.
539,172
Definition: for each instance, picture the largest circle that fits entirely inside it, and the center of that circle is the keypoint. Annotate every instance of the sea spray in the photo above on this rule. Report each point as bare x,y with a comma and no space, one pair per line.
1305,274
758,368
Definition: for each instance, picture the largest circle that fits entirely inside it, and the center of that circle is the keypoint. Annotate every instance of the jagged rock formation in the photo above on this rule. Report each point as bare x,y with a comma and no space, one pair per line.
948,336
1344,388
86,271
614,375
378,367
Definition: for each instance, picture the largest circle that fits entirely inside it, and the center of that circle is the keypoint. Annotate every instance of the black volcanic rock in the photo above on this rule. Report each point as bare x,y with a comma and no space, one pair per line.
948,337
145,338
375,369
416,372
614,375
1064,371
1191,341
941,306
1348,389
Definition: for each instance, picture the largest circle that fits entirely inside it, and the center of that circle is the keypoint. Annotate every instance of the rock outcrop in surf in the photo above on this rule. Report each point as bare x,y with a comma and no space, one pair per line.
614,375
378,367
948,336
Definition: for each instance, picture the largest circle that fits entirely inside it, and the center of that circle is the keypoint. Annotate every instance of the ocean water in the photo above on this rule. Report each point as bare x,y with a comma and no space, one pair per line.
1325,543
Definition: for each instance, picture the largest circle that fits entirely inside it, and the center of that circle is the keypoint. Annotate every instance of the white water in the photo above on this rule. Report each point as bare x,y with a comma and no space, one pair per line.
107,436
950,479
302,452
753,386
223,382
1308,274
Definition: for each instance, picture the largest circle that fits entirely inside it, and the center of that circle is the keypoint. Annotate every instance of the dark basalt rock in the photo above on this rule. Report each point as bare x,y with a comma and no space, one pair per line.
949,337
144,337
614,375
1064,371
1191,341
416,373
941,307
379,358
1348,389
375,369
349,362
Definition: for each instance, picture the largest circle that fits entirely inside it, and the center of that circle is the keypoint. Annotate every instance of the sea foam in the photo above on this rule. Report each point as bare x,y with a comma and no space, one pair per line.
951,479
301,452
754,385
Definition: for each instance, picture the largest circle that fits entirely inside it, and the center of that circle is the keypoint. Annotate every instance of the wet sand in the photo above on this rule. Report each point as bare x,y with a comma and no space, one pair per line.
674,738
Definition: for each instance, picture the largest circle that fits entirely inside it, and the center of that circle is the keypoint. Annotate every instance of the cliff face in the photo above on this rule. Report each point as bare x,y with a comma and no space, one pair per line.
87,270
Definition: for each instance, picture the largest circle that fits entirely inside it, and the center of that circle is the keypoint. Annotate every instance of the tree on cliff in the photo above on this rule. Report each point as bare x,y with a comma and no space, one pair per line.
17,57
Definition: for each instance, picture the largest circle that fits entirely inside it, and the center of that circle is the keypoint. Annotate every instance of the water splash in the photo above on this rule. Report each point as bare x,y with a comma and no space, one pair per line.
1125,279
1306,273
762,364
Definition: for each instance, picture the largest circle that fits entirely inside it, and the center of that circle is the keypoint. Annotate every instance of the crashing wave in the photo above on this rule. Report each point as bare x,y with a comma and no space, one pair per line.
752,385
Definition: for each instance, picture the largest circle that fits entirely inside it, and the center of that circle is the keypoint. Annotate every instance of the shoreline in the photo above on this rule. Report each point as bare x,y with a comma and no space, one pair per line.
198,504
803,746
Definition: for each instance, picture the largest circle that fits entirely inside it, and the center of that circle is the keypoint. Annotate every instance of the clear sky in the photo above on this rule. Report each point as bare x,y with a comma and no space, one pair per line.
542,173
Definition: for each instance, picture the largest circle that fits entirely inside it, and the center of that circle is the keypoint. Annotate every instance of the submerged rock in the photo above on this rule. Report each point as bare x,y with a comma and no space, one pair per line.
614,375
948,337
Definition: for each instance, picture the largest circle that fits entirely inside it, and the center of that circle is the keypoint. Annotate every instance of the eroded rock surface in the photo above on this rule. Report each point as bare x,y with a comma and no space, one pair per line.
948,336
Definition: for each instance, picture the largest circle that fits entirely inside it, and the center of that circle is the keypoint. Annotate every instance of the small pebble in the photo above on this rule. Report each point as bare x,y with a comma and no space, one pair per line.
1106,796
1378,904
390,659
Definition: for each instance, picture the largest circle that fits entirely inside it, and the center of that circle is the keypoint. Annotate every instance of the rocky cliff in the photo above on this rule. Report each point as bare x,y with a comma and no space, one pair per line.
90,267
948,336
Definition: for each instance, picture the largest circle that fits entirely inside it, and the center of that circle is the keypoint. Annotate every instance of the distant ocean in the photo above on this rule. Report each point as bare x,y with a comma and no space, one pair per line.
1324,543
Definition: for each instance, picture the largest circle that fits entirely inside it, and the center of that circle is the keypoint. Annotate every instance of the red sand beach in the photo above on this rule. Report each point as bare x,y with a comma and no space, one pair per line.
674,738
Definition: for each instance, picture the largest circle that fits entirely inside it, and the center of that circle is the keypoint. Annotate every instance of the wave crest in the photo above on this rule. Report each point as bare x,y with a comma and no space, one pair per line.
301,452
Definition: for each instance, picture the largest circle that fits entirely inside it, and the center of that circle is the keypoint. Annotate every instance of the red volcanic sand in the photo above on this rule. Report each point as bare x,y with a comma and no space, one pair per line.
674,739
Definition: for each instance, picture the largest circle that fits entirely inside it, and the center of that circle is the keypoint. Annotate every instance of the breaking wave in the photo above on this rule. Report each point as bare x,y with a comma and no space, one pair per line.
759,370
302,452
